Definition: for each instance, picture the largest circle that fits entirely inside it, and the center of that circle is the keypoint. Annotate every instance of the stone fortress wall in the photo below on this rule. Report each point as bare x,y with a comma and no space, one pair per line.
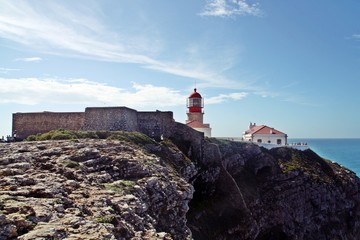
26,124
110,118
153,124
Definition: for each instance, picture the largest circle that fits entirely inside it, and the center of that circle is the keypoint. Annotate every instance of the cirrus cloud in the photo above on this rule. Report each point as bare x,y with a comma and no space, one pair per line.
77,31
29,59
230,8
7,70
226,97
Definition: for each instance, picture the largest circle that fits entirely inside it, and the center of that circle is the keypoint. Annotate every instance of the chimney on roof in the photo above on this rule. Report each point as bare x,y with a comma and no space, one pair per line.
252,125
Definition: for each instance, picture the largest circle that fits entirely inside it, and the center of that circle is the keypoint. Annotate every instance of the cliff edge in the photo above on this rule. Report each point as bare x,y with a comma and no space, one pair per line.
278,194
129,186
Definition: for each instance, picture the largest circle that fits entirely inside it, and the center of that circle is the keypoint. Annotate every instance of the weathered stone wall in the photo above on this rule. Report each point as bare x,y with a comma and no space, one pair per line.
155,124
26,124
110,118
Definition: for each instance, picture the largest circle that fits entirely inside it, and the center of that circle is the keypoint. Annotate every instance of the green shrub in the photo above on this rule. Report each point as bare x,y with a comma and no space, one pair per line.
71,164
63,134
120,186
86,134
31,138
58,134
103,134
105,219
135,137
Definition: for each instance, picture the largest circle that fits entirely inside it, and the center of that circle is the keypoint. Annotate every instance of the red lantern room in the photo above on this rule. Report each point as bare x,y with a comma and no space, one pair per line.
195,102
195,114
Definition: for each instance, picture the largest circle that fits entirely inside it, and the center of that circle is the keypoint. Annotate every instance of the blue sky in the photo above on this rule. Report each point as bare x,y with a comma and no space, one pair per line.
291,65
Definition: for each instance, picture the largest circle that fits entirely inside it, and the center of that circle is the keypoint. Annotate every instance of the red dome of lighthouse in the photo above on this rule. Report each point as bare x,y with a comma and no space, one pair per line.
195,94
195,102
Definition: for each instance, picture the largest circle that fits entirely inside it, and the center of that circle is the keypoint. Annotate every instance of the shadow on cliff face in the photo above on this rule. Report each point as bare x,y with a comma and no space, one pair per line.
274,233
229,180
218,209
246,192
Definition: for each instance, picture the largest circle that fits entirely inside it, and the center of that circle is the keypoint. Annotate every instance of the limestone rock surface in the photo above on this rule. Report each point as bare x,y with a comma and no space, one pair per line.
93,189
184,187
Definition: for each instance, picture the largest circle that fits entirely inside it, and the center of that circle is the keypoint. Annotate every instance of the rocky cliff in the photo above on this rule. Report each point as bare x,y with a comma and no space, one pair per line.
132,187
282,194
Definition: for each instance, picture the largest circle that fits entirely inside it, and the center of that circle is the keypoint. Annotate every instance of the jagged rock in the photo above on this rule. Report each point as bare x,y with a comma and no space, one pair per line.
189,187
93,189
286,194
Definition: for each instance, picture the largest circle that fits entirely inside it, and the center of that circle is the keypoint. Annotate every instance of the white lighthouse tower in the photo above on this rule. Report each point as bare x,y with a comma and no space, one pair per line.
195,105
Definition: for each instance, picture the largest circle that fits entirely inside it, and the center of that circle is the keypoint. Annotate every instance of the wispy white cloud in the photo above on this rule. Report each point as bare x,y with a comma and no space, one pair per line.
230,8
209,77
29,59
79,31
226,97
7,70
55,28
33,91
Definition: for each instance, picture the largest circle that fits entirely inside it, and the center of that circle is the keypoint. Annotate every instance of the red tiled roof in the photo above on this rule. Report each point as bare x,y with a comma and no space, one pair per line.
263,129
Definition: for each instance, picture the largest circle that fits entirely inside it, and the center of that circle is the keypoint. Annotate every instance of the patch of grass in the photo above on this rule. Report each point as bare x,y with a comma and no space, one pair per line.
120,186
71,164
105,219
63,134
31,138
58,134
87,134
135,137
306,163
168,142
293,162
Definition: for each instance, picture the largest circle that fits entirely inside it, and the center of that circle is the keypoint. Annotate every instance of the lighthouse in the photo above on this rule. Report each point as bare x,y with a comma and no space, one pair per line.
195,105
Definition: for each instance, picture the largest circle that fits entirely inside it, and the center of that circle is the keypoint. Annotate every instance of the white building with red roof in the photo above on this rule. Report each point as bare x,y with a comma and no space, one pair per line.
264,135
195,105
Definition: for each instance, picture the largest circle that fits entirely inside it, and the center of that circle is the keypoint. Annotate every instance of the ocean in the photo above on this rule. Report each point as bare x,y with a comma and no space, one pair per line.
346,151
